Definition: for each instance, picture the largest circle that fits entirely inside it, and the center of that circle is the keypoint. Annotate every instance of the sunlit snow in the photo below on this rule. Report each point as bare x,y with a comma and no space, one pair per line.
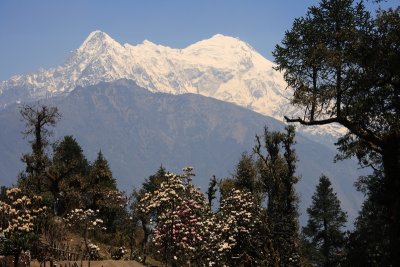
221,67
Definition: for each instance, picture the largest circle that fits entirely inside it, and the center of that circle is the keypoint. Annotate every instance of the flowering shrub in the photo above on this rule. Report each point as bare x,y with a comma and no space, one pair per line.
179,208
230,235
86,220
238,222
17,220
186,230
19,215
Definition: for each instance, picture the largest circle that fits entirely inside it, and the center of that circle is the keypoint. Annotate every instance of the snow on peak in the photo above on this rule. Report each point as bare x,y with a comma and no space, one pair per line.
97,34
220,38
221,67
98,42
97,39
219,42
147,42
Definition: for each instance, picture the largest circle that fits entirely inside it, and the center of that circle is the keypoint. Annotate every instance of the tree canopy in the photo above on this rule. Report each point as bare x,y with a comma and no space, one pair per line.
343,64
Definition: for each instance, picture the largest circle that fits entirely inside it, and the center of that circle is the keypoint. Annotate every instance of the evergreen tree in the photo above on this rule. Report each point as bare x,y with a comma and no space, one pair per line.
100,174
278,178
37,120
69,157
324,225
368,243
101,193
355,83
246,177
245,174
100,177
68,169
154,181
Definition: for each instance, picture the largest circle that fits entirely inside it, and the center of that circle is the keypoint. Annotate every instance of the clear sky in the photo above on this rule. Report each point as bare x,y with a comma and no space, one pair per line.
41,34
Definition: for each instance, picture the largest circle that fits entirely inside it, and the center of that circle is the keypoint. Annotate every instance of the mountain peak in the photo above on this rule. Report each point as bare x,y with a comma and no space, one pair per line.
148,43
97,39
222,43
221,37
97,34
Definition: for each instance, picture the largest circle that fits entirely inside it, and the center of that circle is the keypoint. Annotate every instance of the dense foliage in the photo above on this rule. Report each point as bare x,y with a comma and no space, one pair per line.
342,62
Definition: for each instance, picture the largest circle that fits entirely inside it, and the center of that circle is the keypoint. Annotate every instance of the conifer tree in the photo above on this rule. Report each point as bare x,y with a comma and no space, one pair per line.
154,181
100,173
323,229
67,171
101,193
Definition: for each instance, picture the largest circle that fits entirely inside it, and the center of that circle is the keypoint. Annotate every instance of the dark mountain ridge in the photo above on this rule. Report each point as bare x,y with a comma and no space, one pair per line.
138,130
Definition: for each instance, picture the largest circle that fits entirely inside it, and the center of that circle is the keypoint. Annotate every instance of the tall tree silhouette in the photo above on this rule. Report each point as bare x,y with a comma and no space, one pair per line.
326,219
38,119
349,74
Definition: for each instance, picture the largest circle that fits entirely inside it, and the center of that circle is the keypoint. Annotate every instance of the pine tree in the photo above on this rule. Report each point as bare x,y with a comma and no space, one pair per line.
67,171
99,181
101,193
324,225
154,181
69,157
100,174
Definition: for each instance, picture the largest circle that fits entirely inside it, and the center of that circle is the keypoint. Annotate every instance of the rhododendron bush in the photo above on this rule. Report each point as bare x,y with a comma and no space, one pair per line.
185,229
177,208
18,215
87,220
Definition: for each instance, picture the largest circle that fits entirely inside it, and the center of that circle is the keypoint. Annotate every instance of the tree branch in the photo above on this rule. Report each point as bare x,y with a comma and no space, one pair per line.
313,122
364,134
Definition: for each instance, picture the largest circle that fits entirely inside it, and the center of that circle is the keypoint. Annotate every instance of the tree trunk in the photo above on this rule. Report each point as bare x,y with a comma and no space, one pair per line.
325,244
146,233
16,258
391,164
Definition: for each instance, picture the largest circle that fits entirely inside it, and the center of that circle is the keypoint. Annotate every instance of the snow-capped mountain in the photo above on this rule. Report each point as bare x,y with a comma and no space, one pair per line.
221,67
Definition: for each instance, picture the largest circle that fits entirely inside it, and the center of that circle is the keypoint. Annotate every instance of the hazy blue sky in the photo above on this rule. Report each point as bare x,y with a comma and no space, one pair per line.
42,33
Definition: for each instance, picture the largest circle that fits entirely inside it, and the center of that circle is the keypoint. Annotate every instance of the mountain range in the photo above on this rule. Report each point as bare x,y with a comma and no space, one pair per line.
148,105
221,67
